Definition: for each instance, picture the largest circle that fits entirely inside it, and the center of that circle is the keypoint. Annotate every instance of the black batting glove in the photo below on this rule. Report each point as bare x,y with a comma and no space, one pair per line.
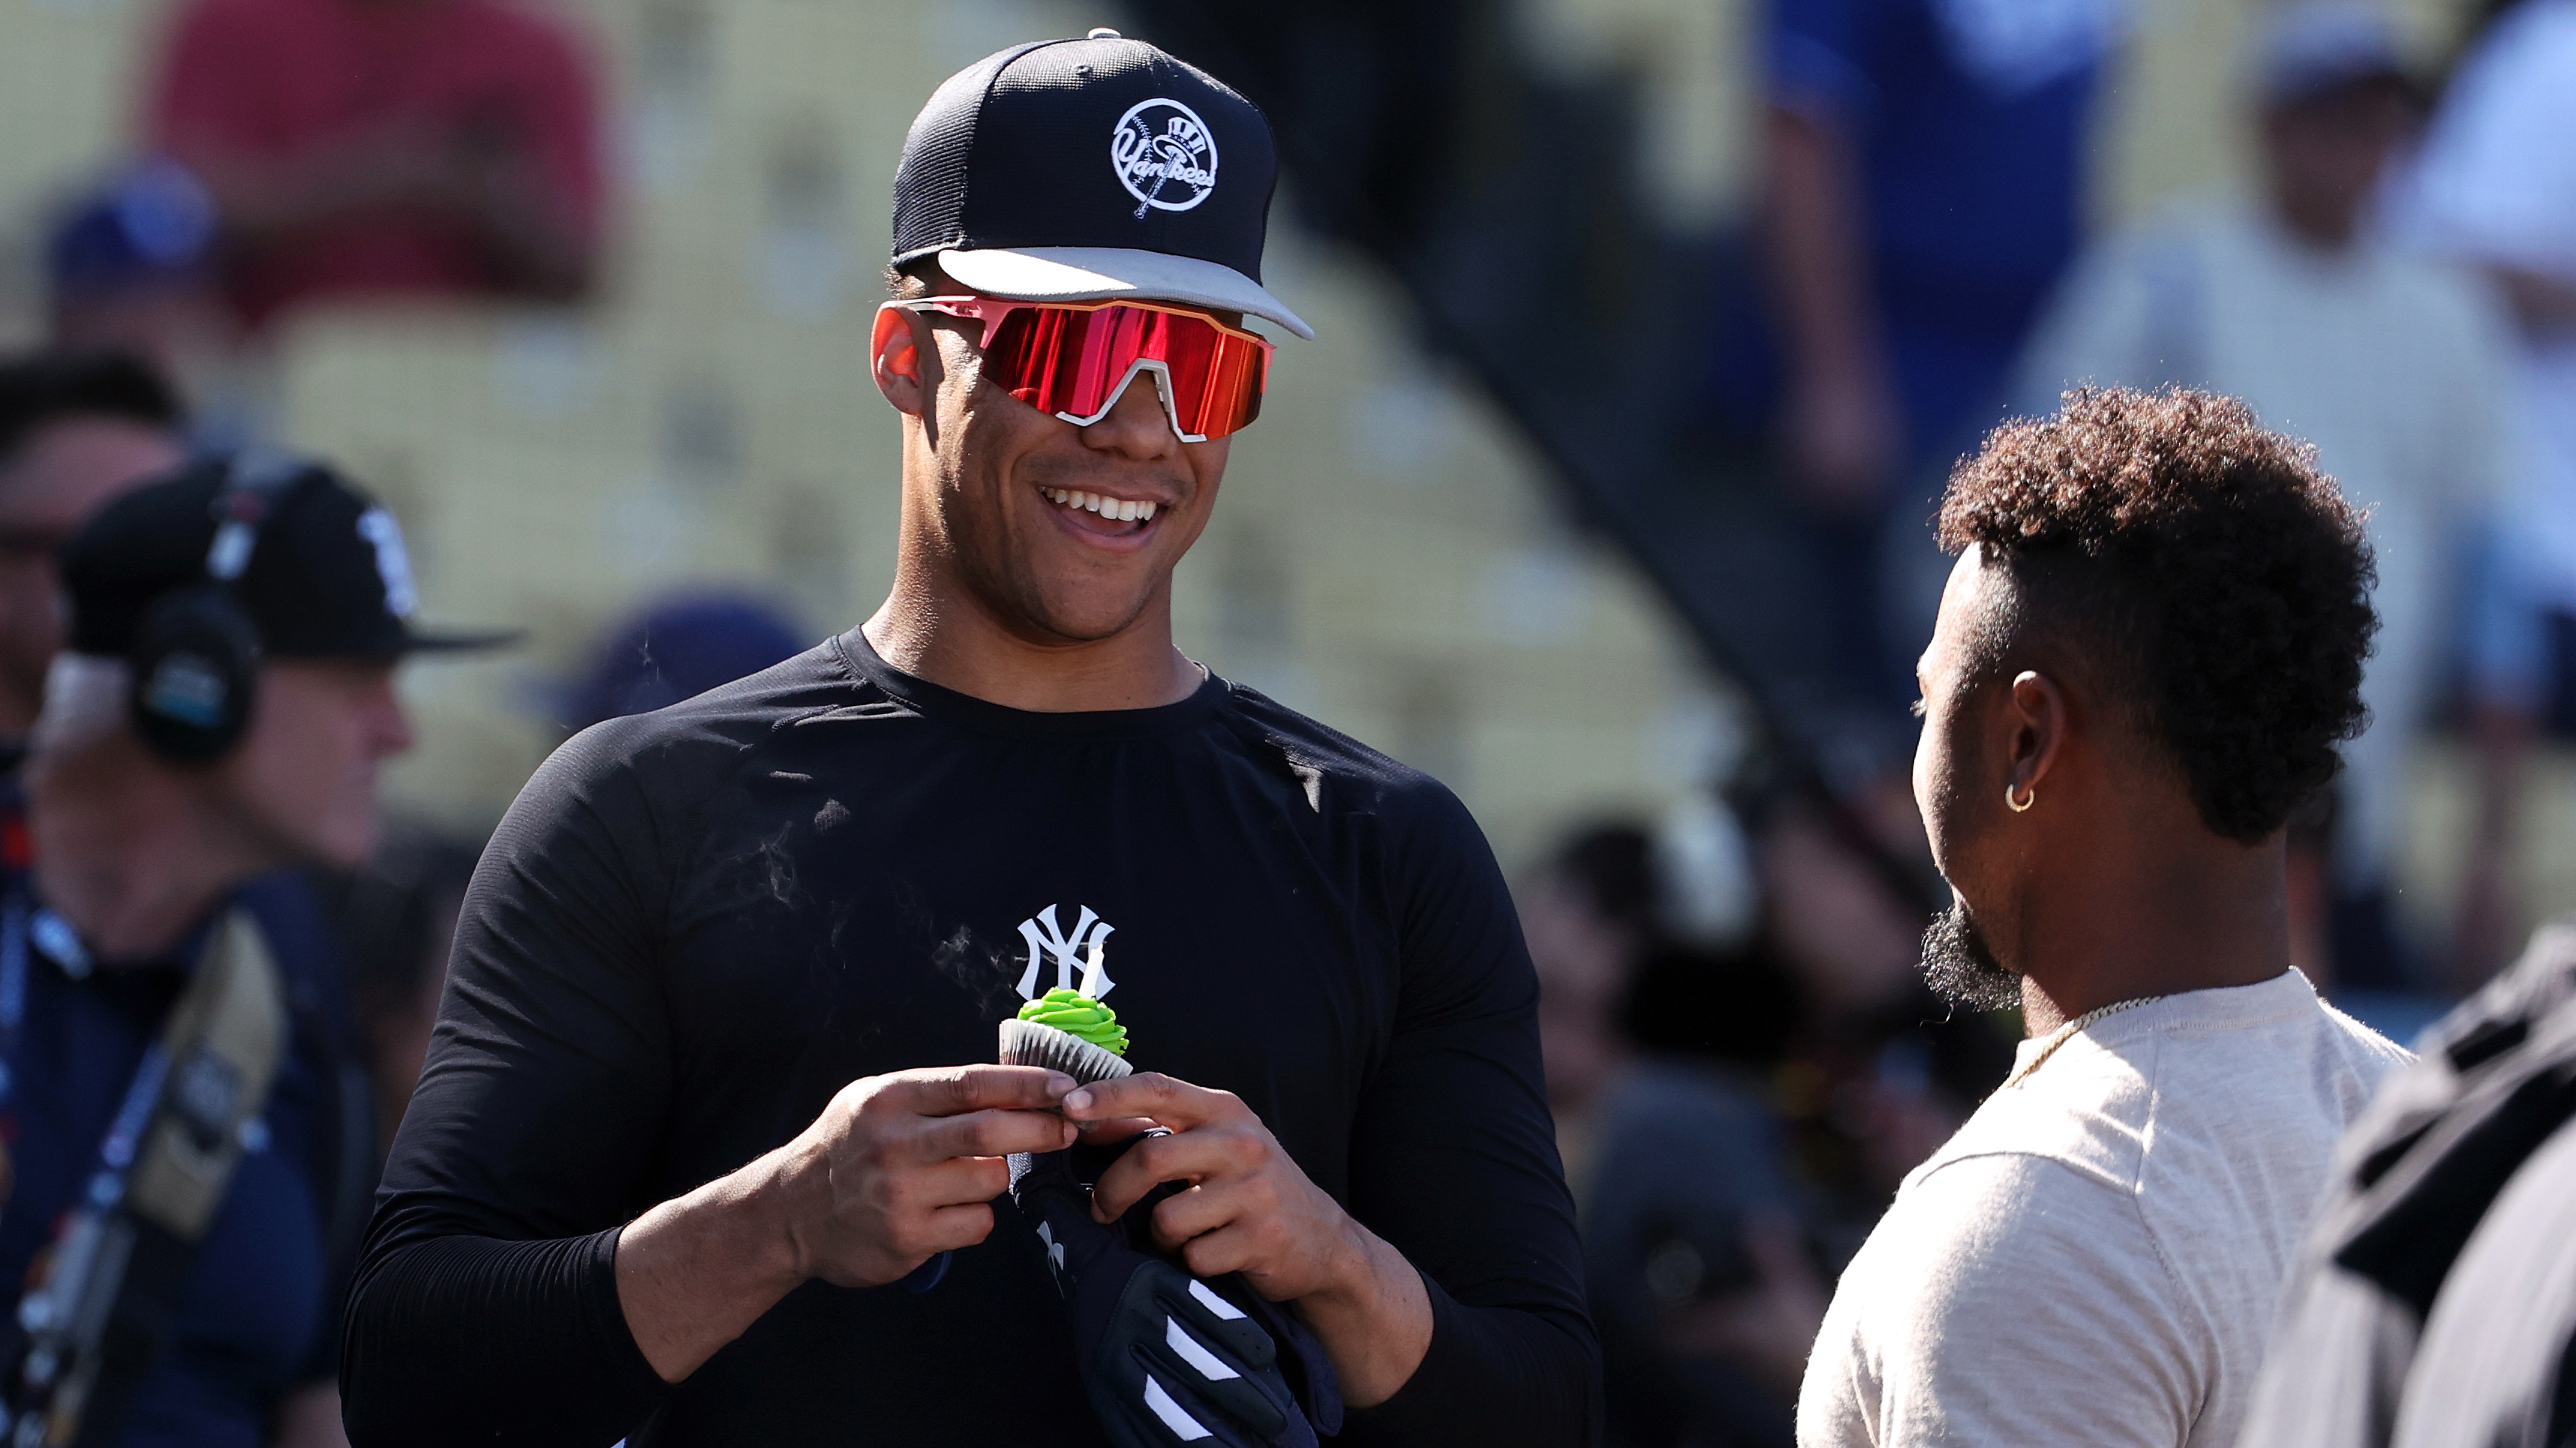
1169,1359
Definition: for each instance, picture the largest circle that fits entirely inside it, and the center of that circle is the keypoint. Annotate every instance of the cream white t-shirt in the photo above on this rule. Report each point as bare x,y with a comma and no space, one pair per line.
2096,1256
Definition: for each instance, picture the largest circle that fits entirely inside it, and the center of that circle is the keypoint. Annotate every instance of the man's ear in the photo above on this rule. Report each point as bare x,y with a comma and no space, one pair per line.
900,362
2040,718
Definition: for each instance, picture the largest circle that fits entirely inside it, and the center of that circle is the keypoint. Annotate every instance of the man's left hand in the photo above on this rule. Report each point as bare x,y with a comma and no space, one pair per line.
1249,1209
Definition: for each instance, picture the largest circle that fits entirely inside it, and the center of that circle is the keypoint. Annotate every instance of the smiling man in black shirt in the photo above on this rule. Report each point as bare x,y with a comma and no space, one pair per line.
695,1129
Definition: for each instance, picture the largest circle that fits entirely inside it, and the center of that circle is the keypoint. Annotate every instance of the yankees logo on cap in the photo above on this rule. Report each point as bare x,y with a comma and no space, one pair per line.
1165,156
1002,180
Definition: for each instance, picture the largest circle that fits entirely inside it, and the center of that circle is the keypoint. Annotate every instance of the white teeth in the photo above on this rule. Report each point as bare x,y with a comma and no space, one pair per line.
1121,509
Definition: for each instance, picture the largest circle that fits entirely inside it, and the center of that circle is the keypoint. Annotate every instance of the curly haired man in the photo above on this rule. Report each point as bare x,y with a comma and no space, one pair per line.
2145,659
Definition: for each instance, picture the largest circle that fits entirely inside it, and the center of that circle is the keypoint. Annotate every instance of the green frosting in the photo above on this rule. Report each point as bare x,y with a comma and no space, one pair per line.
1075,1013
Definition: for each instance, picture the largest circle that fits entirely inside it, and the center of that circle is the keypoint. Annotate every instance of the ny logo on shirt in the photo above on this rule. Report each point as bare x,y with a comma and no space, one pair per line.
1081,946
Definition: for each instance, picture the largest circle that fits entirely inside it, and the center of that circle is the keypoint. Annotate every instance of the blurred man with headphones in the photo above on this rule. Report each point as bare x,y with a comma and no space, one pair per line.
185,1155
76,429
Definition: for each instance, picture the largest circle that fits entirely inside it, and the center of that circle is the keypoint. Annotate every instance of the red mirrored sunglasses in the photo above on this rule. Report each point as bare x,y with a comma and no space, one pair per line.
1075,359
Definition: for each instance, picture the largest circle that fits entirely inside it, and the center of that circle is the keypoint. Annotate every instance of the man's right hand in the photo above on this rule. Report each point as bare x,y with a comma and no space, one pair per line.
897,1169
902,1167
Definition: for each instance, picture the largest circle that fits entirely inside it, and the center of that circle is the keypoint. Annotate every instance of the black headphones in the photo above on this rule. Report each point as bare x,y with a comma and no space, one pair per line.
196,653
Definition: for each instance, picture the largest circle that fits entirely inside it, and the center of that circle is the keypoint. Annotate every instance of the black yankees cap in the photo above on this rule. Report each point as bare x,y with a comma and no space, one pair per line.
326,575
1091,169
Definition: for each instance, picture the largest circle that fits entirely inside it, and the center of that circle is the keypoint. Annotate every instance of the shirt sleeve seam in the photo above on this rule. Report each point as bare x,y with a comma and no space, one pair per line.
2101,1179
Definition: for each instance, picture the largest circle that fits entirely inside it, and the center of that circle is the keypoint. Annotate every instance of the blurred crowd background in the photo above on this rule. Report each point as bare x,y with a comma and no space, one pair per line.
1648,330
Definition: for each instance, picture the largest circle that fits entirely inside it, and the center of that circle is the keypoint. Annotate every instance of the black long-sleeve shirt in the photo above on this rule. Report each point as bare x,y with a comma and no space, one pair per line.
696,925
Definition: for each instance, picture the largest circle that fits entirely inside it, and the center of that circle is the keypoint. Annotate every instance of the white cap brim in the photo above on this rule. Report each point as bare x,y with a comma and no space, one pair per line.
1108,273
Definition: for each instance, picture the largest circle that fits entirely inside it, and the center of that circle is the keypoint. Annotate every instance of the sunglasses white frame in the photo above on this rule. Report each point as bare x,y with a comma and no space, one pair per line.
958,307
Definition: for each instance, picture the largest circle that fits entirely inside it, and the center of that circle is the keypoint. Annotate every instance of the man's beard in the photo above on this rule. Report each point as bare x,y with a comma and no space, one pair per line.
1961,970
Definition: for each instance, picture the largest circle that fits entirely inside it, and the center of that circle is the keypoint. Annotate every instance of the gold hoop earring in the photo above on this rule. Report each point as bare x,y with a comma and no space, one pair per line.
2022,805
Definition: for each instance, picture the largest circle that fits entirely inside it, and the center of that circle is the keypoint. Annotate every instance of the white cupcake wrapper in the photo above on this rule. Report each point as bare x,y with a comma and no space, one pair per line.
1027,1043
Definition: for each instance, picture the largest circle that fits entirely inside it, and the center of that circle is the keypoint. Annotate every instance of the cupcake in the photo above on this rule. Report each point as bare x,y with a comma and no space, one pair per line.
1065,1030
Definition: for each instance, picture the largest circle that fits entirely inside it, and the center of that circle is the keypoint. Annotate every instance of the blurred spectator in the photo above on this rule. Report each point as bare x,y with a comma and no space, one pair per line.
678,648
130,268
2395,367
75,430
396,919
369,148
1852,943
1584,917
1884,1072
1704,1287
1925,163
1735,1115
2496,186
1701,1282
193,750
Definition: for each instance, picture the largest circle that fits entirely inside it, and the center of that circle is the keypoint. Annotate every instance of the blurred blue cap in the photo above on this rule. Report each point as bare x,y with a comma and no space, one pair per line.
153,222
677,649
